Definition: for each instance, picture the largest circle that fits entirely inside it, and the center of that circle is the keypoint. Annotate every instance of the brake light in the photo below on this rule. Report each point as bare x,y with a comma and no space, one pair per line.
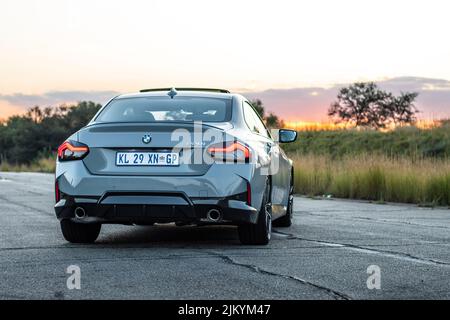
72,150
230,151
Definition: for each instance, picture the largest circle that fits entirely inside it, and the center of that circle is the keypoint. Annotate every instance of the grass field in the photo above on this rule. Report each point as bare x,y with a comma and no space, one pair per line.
374,177
408,165
409,142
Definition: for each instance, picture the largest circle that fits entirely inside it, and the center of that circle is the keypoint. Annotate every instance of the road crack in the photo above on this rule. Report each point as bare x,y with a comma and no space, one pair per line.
387,253
335,294
353,218
25,206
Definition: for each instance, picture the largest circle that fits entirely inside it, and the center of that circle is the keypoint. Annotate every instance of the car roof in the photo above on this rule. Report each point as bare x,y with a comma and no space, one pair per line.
188,92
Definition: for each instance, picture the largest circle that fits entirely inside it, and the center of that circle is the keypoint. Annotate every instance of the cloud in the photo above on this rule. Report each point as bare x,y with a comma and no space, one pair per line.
21,102
306,104
311,104
416,84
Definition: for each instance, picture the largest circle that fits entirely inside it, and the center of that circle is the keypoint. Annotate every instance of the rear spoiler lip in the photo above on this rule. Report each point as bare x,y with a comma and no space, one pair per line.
187,89
161,123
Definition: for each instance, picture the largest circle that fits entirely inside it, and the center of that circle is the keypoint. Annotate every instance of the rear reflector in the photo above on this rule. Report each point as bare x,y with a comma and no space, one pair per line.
249,194
57,194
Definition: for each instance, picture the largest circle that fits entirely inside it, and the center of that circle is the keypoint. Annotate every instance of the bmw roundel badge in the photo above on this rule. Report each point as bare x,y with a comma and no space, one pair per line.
146,139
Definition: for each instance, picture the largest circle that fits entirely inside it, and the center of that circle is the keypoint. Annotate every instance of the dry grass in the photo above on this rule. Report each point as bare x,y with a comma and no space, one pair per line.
423,181
41,165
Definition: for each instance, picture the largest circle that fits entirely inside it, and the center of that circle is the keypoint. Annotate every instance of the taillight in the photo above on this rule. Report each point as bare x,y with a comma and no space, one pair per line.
229,151
72,150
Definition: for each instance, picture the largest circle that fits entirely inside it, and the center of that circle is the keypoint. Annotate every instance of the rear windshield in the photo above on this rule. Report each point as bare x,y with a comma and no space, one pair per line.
154,109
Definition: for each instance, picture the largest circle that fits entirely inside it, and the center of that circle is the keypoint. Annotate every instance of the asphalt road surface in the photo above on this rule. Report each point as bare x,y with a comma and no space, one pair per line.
324,255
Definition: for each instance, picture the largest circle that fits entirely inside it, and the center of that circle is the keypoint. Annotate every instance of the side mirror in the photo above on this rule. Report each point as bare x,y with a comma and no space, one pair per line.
286,136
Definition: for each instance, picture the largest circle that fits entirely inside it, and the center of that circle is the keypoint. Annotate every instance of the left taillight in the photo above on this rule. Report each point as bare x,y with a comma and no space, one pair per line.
72,150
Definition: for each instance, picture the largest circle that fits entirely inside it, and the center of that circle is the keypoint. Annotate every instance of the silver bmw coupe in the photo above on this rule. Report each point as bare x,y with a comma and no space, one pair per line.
176,155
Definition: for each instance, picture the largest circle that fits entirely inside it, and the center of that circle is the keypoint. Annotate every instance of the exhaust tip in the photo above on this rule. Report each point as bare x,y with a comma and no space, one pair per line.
214,215
80,213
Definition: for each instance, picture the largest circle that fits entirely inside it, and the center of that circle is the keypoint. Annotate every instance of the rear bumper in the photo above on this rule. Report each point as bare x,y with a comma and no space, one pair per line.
130,207
220,182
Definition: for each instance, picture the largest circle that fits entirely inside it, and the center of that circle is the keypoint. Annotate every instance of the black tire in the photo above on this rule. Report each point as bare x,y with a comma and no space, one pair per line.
259,233
286,220
80,232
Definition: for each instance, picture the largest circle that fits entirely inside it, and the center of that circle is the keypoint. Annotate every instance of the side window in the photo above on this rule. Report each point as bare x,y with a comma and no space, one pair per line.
249,118
254,121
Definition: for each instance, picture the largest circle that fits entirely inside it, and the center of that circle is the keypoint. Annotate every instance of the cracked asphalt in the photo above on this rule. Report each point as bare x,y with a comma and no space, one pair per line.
324,255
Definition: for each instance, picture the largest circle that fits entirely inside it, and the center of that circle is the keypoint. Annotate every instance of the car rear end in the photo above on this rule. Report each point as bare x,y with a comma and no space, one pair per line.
152,157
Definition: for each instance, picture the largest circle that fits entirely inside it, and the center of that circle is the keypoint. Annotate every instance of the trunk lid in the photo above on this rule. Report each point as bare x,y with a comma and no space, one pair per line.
107,139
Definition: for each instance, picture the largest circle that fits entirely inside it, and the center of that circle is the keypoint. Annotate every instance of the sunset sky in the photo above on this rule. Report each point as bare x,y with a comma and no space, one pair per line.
292,54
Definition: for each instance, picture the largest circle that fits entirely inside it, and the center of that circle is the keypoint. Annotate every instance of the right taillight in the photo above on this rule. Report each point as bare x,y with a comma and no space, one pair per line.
229,151
72,150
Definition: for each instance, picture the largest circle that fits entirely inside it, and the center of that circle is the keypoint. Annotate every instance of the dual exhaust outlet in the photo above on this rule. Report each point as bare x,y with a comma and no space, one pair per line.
212,215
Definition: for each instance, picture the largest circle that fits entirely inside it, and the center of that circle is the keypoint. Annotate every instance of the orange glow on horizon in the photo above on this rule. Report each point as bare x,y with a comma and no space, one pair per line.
328,126
314,126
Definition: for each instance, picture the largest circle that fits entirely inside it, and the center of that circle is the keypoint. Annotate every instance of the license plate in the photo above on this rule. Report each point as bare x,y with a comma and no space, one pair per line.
147,159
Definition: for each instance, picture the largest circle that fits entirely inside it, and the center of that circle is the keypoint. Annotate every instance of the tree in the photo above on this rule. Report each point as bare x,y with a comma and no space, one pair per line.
259,107
35,114
272,120
365,105
403,109
41,130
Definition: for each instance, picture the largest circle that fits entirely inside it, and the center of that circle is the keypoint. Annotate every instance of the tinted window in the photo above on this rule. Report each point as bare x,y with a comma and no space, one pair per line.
151,109
254,121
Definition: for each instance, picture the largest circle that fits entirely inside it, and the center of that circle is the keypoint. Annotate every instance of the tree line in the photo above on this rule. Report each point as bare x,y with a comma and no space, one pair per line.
40,131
